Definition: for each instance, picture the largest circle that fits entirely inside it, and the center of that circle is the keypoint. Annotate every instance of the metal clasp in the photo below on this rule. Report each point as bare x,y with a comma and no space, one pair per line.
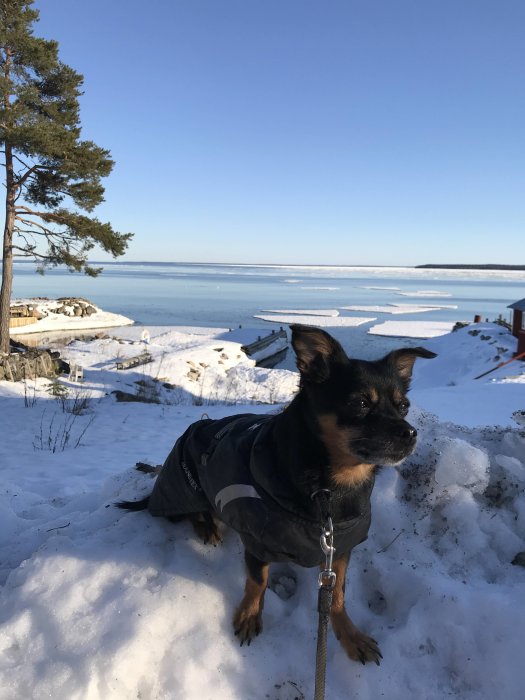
327,577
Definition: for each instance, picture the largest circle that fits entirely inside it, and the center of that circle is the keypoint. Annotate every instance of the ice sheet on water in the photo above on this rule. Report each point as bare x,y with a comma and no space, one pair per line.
412,329
320,321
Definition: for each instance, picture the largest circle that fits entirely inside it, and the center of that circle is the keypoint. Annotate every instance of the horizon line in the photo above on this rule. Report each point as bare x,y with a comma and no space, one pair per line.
459,266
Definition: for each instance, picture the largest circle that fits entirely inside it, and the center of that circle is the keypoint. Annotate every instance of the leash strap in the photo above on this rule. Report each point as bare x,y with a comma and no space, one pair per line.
327,579
323,606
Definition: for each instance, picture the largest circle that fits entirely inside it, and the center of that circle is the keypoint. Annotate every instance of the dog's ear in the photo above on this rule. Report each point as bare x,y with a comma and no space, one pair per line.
403,361
316,351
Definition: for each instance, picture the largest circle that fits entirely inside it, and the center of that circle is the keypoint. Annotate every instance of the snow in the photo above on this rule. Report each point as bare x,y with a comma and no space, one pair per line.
425,306
425,293
98,603
320,321
53,321
398,308
303,312
322,289
412,329
381,289
403,272
461,463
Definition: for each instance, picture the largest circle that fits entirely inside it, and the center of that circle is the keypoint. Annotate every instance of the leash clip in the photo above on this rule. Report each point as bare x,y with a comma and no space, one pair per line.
327,576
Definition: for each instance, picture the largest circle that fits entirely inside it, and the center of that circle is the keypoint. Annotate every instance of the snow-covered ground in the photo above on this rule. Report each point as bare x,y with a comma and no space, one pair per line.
101,604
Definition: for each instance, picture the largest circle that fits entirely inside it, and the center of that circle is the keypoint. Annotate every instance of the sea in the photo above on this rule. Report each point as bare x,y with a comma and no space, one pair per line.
221,295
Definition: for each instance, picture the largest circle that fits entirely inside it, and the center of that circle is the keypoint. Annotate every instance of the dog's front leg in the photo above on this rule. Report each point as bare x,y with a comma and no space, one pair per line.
357,645
247,621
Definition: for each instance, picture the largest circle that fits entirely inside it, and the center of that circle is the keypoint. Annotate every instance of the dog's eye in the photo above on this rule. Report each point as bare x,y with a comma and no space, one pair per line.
403,407
359,404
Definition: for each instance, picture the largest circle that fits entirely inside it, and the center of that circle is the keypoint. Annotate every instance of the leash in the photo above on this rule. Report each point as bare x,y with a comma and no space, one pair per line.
327,579
521,356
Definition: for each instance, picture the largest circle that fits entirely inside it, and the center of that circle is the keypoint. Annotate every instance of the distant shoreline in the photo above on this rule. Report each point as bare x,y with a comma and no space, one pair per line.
432,266
426,266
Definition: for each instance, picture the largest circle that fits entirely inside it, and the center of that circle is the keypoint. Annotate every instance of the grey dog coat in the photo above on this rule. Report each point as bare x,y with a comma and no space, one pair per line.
226,466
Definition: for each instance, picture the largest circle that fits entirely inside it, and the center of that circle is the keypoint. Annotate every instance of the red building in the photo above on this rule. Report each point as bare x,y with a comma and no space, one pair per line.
518,323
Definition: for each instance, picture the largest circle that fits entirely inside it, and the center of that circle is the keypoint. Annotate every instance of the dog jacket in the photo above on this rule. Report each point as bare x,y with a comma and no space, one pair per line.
226,466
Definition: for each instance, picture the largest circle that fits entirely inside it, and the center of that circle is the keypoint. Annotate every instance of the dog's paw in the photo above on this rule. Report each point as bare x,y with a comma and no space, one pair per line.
247,625
206,529
211,535
358,646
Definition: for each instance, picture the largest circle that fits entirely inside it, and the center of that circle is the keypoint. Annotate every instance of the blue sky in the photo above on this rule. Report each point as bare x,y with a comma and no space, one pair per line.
291,131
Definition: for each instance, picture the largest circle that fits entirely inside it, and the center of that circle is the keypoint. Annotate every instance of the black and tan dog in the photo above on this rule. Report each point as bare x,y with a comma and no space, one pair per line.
258,473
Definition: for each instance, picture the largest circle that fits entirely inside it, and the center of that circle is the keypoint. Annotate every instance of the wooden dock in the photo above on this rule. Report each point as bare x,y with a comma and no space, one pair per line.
263,353
130,362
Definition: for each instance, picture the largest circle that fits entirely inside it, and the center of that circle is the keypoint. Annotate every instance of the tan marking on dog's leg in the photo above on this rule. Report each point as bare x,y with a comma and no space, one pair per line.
357,645
345,468
247,621
206,528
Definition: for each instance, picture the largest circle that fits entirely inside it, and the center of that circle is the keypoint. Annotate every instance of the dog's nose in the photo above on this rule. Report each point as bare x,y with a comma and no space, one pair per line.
408,432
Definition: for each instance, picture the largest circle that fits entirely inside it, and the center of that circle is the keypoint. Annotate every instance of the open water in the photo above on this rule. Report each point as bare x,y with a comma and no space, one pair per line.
223,295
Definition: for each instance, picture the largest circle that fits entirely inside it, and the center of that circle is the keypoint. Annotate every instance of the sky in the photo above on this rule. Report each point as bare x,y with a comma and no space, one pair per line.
346,132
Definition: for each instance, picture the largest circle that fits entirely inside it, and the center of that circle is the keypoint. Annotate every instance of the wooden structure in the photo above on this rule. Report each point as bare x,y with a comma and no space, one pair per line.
261,349
22,315
518,323
141,359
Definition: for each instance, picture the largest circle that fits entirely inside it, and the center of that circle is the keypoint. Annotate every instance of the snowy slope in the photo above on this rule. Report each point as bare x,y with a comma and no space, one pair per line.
101,604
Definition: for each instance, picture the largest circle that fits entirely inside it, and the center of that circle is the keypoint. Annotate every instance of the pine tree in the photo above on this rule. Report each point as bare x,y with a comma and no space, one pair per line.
52,177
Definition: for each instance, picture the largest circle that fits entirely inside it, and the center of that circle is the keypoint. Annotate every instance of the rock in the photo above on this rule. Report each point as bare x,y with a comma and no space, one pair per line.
519,559
126,397
30,364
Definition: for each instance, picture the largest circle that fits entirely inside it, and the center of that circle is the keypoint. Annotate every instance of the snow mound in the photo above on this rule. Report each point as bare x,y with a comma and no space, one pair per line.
463,464
58,315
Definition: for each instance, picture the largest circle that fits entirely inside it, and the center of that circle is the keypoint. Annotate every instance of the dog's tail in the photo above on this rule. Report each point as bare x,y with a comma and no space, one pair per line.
133,505
140,505
147,468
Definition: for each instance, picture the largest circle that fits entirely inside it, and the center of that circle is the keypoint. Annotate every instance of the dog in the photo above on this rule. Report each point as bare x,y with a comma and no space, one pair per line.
258,473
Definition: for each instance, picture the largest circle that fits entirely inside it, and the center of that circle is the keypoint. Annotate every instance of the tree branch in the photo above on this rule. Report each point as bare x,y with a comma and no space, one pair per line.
45,215
33,254
30,172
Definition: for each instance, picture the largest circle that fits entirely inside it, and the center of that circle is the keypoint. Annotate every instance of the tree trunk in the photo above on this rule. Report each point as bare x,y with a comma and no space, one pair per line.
7,266
7,256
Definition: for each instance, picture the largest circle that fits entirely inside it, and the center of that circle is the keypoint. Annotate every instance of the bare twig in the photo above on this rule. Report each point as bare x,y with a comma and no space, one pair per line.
380,551
60,527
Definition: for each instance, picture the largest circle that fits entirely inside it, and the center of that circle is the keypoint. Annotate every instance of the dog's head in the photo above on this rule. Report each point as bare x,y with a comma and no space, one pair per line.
359,407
